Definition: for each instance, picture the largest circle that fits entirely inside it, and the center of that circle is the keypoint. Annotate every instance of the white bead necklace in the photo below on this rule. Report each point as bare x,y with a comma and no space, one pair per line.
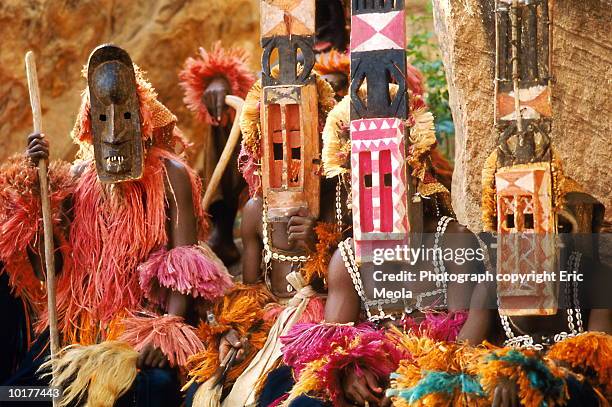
270,255
346,250
527,341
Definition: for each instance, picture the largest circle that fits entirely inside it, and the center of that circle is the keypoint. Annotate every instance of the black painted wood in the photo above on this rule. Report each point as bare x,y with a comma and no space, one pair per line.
380,68
292,51
376,6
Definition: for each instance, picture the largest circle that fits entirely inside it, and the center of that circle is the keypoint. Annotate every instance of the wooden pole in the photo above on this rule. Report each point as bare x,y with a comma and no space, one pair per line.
46,206
236,103
515,65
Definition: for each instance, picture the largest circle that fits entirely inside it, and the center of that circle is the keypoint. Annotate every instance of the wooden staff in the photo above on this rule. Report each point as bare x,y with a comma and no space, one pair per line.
236,103
46,205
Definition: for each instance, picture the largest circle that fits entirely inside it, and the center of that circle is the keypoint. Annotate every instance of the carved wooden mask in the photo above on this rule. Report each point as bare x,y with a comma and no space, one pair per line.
287,26
526,225
289,112
378,43
115,115
534,76
380,181
291,149
379,184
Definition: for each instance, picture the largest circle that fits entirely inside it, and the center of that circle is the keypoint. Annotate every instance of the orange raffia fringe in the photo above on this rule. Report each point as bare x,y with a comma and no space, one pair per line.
197,73
176,339
242,309
415,80
432,357
108,248
422,137
21,222
100,374
337,140
249,121
333,62
489,200
589,354
104,279
250,151
328,236
429,354
539,380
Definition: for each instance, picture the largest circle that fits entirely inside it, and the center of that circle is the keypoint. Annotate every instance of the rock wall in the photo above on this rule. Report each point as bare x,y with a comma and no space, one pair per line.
582,95
158,34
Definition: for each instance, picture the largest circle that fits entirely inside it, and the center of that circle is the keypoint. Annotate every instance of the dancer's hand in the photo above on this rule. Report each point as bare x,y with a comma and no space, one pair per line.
151,357
214,98
505,394
232,340
361,387
38,147
300,229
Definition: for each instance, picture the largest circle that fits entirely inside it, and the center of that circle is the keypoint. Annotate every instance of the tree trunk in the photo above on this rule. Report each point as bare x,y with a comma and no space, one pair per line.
582,94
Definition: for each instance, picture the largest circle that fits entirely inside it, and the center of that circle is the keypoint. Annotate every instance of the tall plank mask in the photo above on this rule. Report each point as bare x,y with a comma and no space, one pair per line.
115,115
290,136
527,222
381,182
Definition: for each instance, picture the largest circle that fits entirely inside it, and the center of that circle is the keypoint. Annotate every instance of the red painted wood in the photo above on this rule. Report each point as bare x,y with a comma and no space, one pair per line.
275,172
294,146
365,197
386,191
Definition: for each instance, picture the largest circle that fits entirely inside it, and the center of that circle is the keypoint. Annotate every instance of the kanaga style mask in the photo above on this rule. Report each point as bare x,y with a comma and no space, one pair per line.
115,115
380,181
289,126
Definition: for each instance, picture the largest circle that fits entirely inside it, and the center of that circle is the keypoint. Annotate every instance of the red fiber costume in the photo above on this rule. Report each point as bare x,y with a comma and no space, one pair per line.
21,223
118,236
198,72
120,258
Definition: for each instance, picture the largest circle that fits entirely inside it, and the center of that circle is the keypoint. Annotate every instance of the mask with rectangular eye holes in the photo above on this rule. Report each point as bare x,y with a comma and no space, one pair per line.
115,115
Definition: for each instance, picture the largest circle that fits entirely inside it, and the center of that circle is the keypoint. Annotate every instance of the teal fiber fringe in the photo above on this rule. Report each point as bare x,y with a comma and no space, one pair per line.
439,382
